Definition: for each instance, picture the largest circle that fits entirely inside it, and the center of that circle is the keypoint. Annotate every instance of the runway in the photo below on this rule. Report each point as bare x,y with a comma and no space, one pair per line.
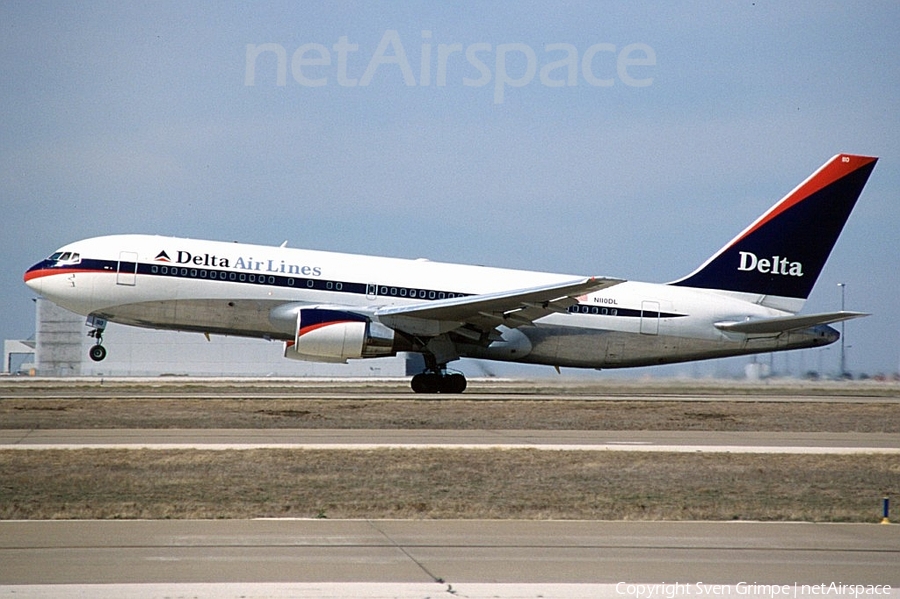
363,439
315,558
443,558
479,389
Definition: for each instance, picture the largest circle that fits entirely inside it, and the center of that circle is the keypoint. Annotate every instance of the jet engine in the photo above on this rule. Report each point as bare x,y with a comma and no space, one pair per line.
325,335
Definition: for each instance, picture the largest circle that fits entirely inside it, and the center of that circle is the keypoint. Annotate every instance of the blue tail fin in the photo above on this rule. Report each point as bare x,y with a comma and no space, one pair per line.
782,253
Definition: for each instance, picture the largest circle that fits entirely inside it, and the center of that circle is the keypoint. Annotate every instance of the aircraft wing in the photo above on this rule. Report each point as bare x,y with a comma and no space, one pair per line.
781,324
481,313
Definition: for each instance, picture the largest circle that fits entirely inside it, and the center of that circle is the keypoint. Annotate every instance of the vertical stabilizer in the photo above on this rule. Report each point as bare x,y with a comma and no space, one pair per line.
782,253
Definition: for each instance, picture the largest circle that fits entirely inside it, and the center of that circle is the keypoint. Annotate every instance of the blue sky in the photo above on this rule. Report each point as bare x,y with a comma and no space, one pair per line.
137,117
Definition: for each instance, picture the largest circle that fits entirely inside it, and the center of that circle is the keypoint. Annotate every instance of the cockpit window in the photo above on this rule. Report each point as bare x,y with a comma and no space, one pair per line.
65,257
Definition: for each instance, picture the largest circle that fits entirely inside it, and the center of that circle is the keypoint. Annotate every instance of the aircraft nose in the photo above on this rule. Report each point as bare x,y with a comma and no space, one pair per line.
33,277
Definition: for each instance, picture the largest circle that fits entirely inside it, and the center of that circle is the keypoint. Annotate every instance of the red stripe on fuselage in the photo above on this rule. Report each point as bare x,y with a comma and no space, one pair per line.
47,272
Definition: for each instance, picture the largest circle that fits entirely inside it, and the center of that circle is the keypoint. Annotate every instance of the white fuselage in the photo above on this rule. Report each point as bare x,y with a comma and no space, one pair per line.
250,290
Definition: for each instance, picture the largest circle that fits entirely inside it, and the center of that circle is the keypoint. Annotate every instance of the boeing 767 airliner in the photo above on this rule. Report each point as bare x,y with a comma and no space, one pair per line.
332,307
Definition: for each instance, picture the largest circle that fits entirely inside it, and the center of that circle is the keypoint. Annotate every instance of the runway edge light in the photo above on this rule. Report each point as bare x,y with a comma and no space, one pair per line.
885,509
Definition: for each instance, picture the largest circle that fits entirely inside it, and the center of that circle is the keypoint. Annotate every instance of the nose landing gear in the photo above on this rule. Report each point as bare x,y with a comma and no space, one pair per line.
98,325
97,352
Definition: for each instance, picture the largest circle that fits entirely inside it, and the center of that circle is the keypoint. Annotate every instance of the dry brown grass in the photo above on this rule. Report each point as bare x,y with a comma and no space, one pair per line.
547,414
299,403
441,483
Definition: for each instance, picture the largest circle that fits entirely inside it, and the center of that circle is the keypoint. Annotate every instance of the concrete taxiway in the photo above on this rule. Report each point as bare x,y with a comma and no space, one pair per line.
363,439
445,552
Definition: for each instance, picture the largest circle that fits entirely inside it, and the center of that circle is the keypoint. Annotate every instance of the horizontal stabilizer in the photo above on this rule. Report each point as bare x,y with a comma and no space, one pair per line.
782,324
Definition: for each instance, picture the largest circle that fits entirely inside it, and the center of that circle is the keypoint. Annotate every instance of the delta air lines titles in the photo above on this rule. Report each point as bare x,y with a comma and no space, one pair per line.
241,262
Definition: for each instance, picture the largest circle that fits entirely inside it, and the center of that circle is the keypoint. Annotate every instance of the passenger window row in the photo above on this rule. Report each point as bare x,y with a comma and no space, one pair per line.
282,281
582,309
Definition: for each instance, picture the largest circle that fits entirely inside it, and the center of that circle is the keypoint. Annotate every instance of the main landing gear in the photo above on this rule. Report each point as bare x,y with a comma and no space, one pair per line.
438,381
98,325
436,378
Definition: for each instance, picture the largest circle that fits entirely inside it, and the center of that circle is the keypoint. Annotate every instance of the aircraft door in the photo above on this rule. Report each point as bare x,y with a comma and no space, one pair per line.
126,270
649,318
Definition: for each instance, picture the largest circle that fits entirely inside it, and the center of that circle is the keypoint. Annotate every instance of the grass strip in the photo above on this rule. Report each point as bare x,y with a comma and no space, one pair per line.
443,483
363,413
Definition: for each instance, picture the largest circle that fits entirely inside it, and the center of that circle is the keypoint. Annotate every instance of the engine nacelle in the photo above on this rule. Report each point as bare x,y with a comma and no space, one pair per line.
325,335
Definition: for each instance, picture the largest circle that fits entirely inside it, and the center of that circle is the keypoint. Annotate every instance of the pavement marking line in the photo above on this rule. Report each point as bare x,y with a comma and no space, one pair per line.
407,590
769,449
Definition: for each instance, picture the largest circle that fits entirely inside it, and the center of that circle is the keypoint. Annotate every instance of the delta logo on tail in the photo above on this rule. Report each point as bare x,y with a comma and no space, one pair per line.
776,266
784,250
162,257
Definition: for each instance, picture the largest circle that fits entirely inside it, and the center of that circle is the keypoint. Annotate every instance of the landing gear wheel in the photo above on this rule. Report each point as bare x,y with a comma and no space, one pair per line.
97,353
438,382
426,382
454,383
